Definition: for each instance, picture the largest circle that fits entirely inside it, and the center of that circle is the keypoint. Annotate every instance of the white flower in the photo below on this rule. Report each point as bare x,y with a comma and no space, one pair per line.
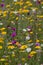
25,63
28,49
28,29
22,15
34,0
41,45
27,37
12,52
42,6
15,12
1,23
33,10
15,0
24,30
31,44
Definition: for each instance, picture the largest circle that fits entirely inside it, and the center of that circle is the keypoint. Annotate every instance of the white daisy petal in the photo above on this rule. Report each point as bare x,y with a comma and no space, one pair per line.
27,37
24,30
25,63
28,49
15,0
1,23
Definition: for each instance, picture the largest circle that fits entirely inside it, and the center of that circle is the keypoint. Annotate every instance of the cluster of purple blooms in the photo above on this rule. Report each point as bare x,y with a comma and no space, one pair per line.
13,34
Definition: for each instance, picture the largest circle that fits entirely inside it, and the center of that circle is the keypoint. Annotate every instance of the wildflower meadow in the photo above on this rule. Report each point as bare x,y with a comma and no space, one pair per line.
21,32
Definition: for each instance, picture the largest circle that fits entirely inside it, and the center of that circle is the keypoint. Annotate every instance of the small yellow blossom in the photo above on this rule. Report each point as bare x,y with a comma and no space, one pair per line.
17,43
1,41
37,47
27,2
31,32
17,18
37,40
3,33
2,59
23,47
1,38
0,47
9,43
10,47
30,41
7,6
39,29
2,29
41,2
23,59
13,55
32,52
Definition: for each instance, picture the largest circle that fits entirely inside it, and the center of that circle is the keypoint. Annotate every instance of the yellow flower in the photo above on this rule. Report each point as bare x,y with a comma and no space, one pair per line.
7,56
21,3
30,41
31,20
1,41
34,8
40,16
37,40
7,6
3,33
41,2
0,47
30,4
25,7
10,47
11,12
4,15
23,47
5,12
2,59
23,59
13,55
31,32
2,29
9,43
17,18
39,29
32,52
1,38
37,47
25,11
0,12
17,43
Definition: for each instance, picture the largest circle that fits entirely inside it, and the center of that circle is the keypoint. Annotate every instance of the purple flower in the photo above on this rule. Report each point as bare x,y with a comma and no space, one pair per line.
37,44
2,5
13,34
2,0
14,42
29,56
29,27
38,2
13,28
19,64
